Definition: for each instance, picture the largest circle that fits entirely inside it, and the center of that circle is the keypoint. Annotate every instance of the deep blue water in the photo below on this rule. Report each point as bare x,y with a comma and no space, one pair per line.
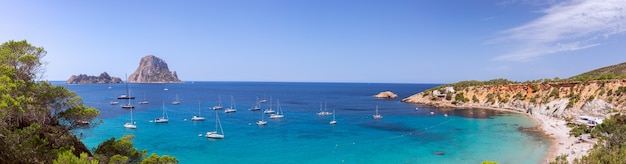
404,135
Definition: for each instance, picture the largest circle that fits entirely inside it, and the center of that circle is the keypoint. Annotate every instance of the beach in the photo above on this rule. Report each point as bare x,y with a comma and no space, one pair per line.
562,142
555,129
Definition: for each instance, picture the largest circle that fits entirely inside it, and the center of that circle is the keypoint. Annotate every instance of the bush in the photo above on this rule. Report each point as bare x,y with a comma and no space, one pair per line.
555,93
518,96
475,99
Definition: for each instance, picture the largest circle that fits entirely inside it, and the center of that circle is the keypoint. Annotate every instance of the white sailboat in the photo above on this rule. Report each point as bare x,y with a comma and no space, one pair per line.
270,110
257,106
262,121
114,102
198,117
323,112
129,105
233,106
279,112
219,104
127,96
144,101
163,118
377,116
214,134
132,124
176,102
334,121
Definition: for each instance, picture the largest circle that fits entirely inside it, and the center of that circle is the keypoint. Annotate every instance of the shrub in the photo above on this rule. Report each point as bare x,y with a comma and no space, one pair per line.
475,99
518,96
555,93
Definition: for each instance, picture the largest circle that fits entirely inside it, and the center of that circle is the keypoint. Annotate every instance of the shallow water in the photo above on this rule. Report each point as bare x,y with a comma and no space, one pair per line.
404,135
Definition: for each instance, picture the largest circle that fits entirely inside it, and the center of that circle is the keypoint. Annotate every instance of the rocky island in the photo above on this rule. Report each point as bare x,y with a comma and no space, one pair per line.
104,78
153,70
386,95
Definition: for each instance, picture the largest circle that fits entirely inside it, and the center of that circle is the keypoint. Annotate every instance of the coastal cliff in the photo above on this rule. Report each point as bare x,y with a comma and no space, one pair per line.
104,78
153,70
556,99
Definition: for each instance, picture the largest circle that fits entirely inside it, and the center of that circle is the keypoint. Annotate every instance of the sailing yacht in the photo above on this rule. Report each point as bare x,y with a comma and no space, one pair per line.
334,121
270,110
257,106
219,104
129,105
132,124
214,134
323,112
176,102
233,106
377,116
163,118
144,101
279,112
262,121
198,117
127,96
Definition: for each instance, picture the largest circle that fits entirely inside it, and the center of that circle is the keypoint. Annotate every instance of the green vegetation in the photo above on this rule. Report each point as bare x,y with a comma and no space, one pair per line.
122,151
489,162
461,97
554,93
518,96
610,148
617,71
36,117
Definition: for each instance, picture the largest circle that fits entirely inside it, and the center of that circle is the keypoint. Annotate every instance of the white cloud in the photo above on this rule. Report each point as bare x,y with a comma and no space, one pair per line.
567,26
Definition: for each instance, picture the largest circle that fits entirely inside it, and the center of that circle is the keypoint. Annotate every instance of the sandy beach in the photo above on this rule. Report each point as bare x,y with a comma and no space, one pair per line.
562,142
555,129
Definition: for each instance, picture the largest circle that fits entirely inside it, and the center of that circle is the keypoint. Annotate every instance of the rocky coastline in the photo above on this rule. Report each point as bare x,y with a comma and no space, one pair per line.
104,78
551,105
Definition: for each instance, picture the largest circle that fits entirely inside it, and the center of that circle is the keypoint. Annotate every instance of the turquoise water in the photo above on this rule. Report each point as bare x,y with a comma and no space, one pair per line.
404,135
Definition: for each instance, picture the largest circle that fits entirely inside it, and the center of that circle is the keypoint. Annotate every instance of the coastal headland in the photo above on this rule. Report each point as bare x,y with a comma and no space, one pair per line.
551,104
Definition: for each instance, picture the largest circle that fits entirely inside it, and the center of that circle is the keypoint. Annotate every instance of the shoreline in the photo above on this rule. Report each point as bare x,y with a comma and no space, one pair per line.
554,129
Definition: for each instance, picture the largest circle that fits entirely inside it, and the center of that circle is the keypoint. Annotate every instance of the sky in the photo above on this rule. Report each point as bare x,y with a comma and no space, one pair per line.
373,41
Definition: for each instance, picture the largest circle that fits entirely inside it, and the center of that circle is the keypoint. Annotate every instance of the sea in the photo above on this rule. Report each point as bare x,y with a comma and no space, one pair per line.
407,133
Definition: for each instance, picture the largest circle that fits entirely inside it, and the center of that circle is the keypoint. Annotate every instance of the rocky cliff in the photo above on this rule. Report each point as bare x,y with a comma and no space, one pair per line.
557,99
104,78
153,70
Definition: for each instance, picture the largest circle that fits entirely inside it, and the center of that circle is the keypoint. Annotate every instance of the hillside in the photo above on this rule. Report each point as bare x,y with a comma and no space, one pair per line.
557,99
617,71
594,93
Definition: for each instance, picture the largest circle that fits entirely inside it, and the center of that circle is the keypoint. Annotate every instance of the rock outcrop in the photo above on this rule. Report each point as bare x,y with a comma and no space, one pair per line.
386,95
153,70
555,99
104,78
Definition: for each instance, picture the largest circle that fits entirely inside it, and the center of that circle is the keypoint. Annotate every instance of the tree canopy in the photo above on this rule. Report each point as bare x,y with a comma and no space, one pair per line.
36,117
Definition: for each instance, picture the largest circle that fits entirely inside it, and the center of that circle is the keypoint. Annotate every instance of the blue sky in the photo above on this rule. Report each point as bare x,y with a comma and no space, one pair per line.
438,41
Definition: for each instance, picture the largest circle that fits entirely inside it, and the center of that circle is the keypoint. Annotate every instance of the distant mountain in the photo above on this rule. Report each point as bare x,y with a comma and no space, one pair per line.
153,70
617,71
104,78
